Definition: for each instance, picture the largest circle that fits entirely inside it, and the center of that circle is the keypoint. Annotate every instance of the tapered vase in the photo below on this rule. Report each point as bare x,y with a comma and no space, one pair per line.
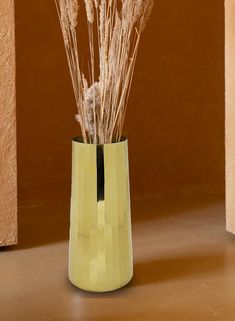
100,247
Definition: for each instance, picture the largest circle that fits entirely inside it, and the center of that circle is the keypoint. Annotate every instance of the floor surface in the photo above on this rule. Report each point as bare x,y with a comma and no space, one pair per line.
184,267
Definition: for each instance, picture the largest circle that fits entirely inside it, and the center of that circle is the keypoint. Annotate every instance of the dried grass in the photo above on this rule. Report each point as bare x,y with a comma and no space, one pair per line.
114,30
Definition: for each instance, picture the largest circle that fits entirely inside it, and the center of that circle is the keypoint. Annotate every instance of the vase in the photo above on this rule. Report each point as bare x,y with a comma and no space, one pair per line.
100,246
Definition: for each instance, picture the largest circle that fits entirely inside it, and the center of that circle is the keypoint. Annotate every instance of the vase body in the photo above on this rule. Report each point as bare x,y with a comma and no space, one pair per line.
100,247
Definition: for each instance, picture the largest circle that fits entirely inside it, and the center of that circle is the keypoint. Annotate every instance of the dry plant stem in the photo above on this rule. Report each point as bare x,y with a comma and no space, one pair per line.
123,114
70,39
92,56
114,31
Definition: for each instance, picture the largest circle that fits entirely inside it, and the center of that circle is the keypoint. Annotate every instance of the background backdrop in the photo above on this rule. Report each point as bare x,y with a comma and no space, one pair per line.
175,120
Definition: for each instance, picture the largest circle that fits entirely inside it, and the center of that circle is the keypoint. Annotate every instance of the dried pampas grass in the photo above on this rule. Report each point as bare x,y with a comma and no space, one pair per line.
114,30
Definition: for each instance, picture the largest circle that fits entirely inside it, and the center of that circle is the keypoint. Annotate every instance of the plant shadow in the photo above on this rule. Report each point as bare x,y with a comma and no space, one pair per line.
166,207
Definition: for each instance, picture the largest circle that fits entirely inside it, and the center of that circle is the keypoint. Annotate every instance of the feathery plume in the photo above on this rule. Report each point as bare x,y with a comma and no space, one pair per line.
114,30
89,10
72,10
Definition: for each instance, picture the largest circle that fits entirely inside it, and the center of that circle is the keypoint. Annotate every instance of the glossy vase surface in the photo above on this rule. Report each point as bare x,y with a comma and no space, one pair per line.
100,247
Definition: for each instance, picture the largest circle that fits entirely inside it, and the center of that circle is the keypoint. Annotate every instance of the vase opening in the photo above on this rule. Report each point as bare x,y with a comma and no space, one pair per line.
79,140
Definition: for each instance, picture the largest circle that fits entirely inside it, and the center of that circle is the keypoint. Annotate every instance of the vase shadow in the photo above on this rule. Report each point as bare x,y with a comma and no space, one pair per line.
48,223
174,268
162,270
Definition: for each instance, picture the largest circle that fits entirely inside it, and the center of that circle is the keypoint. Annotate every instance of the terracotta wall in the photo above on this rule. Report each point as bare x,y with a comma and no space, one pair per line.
230,114
175,120
8,188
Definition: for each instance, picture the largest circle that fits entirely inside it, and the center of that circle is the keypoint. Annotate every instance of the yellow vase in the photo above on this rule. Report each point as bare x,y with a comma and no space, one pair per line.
100,247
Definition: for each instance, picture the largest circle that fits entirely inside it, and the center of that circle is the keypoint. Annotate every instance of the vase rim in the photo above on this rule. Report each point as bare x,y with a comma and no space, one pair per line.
79,140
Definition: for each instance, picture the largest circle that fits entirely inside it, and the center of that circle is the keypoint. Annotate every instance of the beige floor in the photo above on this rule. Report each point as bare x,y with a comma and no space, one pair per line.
184,267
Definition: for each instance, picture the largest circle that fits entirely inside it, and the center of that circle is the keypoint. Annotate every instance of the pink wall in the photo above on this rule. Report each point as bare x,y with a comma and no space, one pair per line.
8,187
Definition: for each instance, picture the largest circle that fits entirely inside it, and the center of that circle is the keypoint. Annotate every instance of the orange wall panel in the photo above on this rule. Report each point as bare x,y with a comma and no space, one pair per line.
230,114
175,117
8,187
